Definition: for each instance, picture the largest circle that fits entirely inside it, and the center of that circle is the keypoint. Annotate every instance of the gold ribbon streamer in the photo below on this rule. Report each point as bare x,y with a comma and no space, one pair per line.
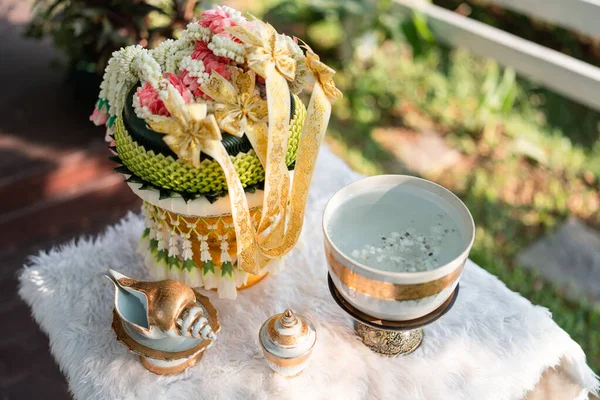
251,253
268,56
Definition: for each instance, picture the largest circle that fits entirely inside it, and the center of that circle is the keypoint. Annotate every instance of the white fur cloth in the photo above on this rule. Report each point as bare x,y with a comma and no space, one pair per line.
493,344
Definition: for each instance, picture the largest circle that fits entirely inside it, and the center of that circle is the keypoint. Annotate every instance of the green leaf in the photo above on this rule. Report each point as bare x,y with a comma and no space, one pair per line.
154,246
161,257
187,196
134,179
123,170
208,267
189,265
146,233
165,194
420,23
227,269
174,262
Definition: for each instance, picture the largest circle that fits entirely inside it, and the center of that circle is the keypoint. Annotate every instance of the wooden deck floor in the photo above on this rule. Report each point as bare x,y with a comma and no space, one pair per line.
56,183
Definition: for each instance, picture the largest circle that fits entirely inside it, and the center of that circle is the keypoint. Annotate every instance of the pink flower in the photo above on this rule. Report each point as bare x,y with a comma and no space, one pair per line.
216,20
175,81
201,51
211,63
99,117
191,83
149,96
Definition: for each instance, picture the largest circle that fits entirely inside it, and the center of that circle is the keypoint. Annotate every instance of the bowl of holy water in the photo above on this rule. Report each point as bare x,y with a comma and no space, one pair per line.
396,245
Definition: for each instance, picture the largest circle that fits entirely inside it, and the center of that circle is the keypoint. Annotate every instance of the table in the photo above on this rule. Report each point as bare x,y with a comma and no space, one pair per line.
493,344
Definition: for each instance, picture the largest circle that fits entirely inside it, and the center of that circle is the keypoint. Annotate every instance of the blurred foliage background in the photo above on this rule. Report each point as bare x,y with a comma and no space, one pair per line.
529,158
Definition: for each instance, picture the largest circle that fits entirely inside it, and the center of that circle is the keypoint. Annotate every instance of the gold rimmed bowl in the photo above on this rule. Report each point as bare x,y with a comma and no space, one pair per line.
401,206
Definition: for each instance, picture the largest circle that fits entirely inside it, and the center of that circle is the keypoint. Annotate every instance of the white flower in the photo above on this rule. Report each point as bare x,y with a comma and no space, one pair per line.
195,32
302,74
188,253
226,47
226,288
124,69
275,265
173,249
211,279
169,53
234,15
241,277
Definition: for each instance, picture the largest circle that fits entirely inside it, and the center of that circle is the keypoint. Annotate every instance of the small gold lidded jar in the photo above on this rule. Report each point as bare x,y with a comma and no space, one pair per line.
287,340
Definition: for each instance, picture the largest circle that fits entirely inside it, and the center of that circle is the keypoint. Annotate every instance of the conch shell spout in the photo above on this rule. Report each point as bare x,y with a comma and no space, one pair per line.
158,309
193,323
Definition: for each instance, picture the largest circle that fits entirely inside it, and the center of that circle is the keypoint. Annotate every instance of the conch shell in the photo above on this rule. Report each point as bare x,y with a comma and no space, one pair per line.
160,309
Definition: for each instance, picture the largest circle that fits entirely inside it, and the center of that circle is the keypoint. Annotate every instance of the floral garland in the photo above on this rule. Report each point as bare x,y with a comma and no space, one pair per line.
225,74
204,47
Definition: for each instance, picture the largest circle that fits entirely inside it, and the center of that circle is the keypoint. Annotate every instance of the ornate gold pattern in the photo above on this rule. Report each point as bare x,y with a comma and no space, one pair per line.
391,325
286,362
187,129
269,56
389,290
286,340
387,343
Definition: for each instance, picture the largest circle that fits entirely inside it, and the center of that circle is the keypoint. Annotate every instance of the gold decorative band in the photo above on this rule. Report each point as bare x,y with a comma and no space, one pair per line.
286,362
176,369
388,290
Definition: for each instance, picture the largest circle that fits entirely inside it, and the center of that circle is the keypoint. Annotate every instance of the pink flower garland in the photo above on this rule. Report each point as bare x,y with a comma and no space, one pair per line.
211,63
216,20
148,96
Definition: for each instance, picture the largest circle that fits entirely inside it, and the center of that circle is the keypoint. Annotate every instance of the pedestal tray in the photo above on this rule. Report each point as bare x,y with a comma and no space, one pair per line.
390,338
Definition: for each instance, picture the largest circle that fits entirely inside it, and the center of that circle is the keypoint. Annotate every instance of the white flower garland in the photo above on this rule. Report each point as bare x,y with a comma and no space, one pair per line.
195,69
169,53
226,47
195,32
127,66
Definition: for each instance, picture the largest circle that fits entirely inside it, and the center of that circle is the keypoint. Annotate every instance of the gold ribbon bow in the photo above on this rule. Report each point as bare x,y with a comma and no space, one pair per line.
239,109
188,129
323,74
264,46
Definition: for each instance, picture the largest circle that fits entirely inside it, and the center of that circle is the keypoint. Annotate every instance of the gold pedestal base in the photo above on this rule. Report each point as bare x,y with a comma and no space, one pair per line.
176,369
390,338
389,343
